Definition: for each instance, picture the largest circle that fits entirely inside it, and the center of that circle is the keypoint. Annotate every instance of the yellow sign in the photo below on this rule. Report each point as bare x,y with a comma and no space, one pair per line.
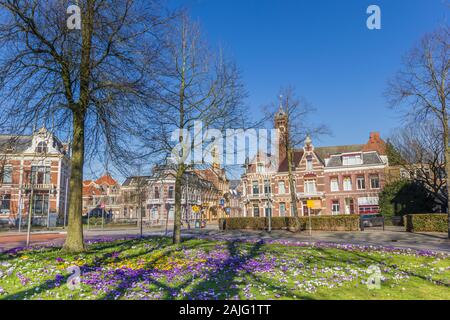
314,204
195,209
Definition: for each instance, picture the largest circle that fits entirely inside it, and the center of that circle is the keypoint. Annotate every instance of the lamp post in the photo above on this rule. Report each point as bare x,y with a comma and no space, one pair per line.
29,215
269,207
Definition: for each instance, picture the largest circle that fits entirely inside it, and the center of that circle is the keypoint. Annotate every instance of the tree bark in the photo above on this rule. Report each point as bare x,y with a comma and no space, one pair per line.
74,240
177,218
447,166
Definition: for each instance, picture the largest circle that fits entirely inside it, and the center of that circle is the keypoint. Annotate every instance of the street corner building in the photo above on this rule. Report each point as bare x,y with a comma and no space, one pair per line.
339,179
34,178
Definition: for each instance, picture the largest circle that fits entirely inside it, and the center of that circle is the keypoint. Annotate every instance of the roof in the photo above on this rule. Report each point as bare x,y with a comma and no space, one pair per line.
326,152
367,157
91,190
134,179
283,167
106,179
18,143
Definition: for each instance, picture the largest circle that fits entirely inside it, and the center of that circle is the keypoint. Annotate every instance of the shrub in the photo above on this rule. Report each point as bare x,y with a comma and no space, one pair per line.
432,222
324,223
403,197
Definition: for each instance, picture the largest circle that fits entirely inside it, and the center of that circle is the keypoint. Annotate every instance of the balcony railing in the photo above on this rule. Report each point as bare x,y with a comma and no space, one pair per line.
310,194
39,186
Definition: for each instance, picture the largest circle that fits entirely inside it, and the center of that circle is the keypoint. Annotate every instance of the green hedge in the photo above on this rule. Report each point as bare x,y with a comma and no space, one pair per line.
432,222
324,223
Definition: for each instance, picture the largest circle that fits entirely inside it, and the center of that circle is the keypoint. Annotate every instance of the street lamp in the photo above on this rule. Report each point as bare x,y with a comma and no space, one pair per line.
269,207
30,212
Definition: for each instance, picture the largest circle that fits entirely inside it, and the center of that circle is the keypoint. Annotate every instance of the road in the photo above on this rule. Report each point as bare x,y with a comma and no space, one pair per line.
392,237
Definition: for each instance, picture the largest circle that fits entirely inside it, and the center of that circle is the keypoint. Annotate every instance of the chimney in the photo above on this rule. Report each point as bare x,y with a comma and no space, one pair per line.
375,143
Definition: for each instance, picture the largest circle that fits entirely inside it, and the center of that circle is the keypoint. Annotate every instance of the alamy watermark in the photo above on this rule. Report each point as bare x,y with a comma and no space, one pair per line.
74,19
374,280
374,20
74,281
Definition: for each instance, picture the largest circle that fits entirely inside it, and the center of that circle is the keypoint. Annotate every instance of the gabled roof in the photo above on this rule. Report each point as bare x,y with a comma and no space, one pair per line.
283,167
106,179
91,190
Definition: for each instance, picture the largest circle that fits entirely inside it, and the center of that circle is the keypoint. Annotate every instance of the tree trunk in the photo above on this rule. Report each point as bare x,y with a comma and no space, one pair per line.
447,172
178,191
292,188
74,240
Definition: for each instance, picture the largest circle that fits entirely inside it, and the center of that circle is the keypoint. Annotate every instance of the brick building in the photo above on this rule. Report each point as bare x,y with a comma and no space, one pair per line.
34,169
342,179
102,194
199,187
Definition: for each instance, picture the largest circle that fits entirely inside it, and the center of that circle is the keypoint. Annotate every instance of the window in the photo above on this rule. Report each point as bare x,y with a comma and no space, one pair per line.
374,182
309,163
281,187
361,183
267,187
335,207
156,192
260,167
334,184
154,213
42,147
268,212
310,186
40,204
7,175
282,209
5,203
40,175
349,206
347,184
255,211
255,187
171,192
351,160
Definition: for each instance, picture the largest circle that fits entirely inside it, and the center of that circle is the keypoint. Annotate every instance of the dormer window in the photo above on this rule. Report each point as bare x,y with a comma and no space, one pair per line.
42,147
350,160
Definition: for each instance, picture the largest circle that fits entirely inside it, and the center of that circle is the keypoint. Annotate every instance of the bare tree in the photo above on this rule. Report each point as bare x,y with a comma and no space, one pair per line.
297,111
91,84
421,156
199,85
421,86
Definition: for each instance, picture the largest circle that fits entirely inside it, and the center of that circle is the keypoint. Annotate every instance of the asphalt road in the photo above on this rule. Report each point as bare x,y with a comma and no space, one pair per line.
392,237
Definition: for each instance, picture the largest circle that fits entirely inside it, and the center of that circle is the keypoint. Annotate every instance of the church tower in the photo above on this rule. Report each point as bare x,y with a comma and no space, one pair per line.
281,123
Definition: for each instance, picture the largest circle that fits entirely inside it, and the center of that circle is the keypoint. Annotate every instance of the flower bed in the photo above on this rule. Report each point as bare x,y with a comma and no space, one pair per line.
152,268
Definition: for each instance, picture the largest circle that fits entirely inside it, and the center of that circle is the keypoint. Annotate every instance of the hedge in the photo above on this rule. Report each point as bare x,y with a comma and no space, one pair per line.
432,222
324,223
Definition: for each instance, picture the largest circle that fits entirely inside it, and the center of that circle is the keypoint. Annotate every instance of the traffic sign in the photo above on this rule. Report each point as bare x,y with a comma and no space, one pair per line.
314,204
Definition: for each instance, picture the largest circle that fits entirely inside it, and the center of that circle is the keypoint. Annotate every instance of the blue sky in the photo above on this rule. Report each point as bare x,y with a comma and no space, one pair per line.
324,49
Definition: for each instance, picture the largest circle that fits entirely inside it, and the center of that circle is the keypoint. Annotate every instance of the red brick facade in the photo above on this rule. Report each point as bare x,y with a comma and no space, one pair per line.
37,163
344,179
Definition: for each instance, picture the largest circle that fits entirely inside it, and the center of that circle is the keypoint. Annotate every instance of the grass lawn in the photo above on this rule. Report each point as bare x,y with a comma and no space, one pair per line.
201,269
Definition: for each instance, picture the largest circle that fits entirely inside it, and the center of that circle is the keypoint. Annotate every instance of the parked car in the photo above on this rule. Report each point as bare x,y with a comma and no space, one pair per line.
367,219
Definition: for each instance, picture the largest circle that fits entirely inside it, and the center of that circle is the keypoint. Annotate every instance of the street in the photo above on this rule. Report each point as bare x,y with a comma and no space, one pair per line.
392,237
